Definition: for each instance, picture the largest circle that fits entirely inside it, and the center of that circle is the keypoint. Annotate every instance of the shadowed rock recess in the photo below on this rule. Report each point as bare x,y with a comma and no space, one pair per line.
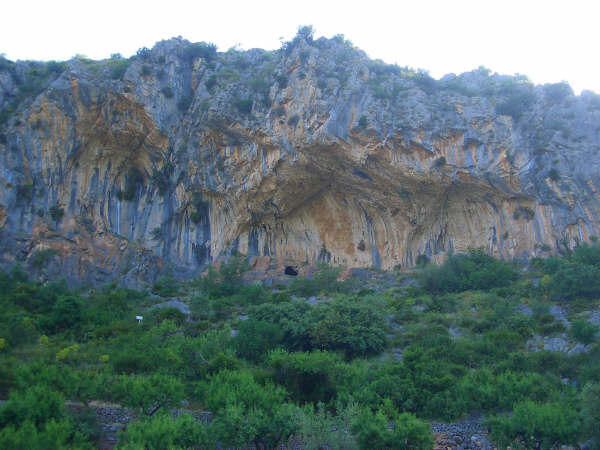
180,155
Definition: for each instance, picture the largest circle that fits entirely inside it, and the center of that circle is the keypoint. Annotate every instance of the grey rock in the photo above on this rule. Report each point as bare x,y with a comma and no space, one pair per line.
594,317
182,307
525,310
559,315
559,343
466,434
186,160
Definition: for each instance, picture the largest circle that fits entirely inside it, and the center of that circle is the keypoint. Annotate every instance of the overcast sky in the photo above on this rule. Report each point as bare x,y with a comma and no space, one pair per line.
548,41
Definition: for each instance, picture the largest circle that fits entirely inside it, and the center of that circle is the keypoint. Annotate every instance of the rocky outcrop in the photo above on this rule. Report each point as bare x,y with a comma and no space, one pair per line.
314,152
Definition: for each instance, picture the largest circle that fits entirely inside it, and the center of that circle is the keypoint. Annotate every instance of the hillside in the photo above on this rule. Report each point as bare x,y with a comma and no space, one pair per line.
123,169
473,354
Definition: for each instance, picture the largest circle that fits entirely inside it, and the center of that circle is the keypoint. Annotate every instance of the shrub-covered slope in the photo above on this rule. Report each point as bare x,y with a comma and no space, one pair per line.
310,363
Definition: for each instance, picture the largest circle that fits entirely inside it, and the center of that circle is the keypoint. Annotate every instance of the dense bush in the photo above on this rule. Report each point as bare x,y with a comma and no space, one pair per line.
244,105
206,51
473,270
36,419
226,280
557,92
256,338
56,212
324,279
345,324
245,410
117,66
583,331
353,326
517,98
37,405
392,431
575,276
536,425
164,431
590,413
40,258
148,394
308,376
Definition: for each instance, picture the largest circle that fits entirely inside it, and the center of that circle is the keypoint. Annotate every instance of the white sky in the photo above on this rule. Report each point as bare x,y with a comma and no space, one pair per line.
548,41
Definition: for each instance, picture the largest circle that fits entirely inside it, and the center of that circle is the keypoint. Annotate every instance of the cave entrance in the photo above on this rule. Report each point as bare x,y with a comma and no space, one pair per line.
291,270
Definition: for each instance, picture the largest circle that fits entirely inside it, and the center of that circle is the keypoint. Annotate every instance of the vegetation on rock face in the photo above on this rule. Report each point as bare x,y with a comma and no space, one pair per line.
56,212
314,362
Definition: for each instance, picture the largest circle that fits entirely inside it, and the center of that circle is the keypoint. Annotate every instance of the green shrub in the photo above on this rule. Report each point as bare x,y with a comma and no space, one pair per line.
173,314
482,390
56,212
553,175
244,105
156,234
588,254
583,331
425,82
474,270
557,92
225,281
325,279
144,53
148,393
238,387
256,338
308,376
146,70
25,193
200,208
290,318
363,122
161,178
164,431
317,427
392,431
574,280
52,435
118,66
424,384
37,404
66,315
354,326
439,162
536,425
166,286
204,50
211,82
40,258
518,98
590,413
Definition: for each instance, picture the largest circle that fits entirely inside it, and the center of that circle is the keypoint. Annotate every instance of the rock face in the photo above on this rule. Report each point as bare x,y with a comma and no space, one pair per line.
181,155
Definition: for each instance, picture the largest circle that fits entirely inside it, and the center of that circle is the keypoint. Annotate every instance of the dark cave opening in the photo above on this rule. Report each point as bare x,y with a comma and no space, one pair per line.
291,270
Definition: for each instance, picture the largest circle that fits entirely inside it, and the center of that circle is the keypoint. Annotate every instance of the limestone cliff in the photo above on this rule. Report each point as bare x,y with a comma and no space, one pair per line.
180,155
